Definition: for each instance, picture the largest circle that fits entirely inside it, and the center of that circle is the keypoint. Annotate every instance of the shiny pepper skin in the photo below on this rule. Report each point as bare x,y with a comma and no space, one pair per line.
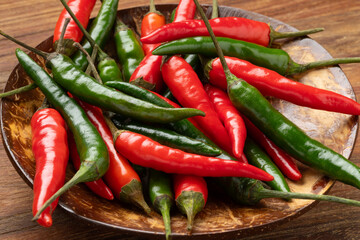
50,149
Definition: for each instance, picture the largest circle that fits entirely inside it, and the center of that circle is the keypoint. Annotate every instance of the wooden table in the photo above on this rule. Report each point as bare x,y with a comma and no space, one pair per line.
33,20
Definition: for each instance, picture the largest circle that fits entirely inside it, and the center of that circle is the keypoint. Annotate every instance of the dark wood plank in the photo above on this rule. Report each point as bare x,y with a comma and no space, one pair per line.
32,21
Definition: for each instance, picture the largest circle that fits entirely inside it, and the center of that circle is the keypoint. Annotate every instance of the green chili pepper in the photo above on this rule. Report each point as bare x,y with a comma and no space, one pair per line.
99,31
108,68
169,138
128,48
91,147
257,157
161,196
275,59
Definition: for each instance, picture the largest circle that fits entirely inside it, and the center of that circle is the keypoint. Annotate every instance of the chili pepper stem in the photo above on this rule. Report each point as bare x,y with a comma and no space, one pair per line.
132,193
267,193
80,176
190,203
230,78
18,90
215,10
277,35
93,57
295,68
37,51
90,60
164,207
60,47
152,6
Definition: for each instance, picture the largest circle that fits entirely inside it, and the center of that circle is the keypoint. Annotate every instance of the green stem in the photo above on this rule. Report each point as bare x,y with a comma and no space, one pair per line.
37,51
277,35
164,207
90,60
295,68
93,57
60,46
215,9
152,6
266,193
18,90
132,193
230,78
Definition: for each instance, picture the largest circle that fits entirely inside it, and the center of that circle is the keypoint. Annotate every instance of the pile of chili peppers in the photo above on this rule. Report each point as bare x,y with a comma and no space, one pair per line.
125,137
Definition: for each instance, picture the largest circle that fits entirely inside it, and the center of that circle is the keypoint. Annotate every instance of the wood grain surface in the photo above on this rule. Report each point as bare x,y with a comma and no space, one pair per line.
33,21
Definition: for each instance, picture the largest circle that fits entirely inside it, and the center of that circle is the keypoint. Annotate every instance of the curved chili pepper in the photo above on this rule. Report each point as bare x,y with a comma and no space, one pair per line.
191,194
189,91
258,158
148,73
99,30
150,22
275,59
281,130
169,138
161,196
82,9
145,152
230,117
120,177
108,68
98,186
184,11
49,146
270,83
231,27
283,160
91,147
128,49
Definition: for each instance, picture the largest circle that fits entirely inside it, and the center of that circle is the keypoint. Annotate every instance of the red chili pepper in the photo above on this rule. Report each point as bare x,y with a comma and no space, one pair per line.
98,187
185,10
149,70
270,83
285,162
230,117
50,149
82,10
146,152
120,172
151,21
191,195
186,87
231,27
